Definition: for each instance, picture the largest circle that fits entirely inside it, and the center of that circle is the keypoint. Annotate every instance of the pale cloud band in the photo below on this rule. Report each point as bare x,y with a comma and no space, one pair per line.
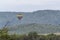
28,5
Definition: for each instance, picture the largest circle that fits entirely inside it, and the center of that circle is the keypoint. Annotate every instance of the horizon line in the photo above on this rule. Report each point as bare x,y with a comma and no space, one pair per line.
33,11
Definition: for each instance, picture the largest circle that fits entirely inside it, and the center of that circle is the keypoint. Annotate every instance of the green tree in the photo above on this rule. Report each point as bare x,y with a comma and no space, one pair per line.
4,33
32,35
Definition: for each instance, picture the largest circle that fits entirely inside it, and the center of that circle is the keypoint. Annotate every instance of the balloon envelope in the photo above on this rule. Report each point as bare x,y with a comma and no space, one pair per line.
19,16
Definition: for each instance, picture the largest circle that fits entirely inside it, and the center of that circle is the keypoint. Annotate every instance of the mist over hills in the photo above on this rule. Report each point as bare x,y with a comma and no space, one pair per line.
39,28
41,21
40,16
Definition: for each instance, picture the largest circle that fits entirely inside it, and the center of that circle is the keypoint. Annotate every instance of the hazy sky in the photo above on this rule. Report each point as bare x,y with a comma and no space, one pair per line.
29,5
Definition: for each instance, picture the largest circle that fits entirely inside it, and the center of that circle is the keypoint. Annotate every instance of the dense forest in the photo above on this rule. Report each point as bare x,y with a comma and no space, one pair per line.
4,35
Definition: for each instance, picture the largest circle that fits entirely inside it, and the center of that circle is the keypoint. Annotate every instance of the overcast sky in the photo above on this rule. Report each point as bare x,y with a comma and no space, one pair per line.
29,5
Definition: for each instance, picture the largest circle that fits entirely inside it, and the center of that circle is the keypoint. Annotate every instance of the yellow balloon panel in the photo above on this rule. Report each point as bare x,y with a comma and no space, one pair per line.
19,15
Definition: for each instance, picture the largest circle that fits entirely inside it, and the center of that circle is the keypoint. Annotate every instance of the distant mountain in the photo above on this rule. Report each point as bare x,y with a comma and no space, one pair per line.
41,21
48,16
40,16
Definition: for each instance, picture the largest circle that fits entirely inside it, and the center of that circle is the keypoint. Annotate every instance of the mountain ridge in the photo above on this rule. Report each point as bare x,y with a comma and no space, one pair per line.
42,21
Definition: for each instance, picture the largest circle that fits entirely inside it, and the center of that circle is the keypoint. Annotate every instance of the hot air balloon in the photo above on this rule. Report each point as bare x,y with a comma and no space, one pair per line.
19,16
